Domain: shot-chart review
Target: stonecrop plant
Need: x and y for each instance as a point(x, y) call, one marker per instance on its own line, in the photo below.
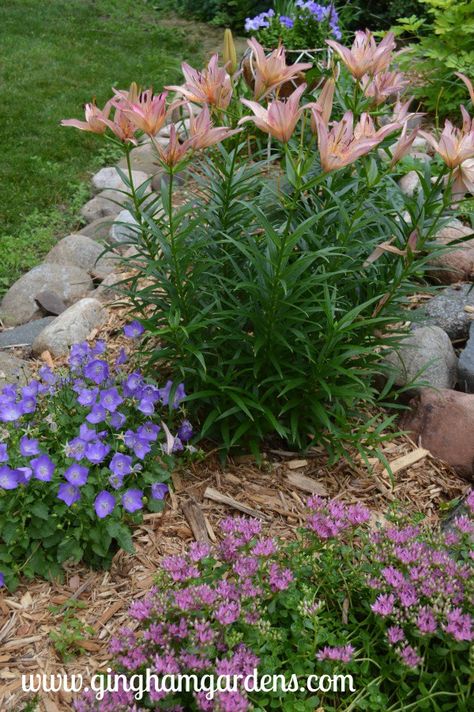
point(392, 607)
point(273, 287)
point(82, 452)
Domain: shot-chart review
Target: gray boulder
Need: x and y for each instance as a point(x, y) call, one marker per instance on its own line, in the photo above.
point(83, 252)
point(13, 370)
point(466, 364)
point(427, 356)
point(450, 310)
point(70, 327)
point(69, 282)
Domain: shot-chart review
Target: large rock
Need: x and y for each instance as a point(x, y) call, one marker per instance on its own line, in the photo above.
point(143, 158)
point(69, 282)
point(457, 264)
point(70, 327)
point(123, 229)
point(110, 179)
point(426, 356)
point(106, 204)
point(466, 364)
point(24, 335)
point(451, 310)
point(443, 423)
point(83, 252)
point(13, 370)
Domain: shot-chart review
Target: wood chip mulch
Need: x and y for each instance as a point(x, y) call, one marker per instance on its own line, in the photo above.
point(204, 493)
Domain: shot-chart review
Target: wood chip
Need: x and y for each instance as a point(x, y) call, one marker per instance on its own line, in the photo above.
point(296, 464)
point(220, 498)
point(196, 520)
point(306, 484)
point(401, 463)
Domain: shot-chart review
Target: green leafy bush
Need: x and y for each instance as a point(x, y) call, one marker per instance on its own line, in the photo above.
point(444, 44)
point(70, 491)
point(392, 608)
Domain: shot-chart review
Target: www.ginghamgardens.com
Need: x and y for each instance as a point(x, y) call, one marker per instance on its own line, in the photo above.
point(210, 685)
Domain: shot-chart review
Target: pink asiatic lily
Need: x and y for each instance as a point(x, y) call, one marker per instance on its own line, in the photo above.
point(344, 143)
point(468, 83)
point(279, 119)
point(323, 104)
point(365, 57)
point(95, 119)
point(403, 144)
point(203, 133)
point(147, 112)
point(383, 85)
point(212, 86)
point(175, 151)
point(454, 145)
point(271, 70)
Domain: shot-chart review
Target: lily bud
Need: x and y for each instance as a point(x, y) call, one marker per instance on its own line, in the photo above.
point(230, 54)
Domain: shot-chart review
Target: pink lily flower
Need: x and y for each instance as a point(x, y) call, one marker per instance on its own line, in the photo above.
point(211, 86)
point(279, 119)
point(343, 143)
point(203, 133)
point(454, 145)
point(403, 144)
point(383, 85)
point(271, 71)
point(365, 57)
point(94, 119)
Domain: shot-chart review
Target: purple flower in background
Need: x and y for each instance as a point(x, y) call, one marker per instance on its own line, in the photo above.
point(75, 449)
point(159, 490)
point(132, 500)
point(97, 371)
point(286, 21)
point(8, 478)
point(110, 399)
point(121, 465)
point(43, 468)
point(29, 446)
point(96, 452)
point(141, 448)
point(133, 330)
point(76, 475)
point(185, 431)
point(117, 419)
point(68, 493)
point(3, 452)
point(10, 412)
point(87, 396)
point(104, 504)
point(97, 414)
point(148, 431)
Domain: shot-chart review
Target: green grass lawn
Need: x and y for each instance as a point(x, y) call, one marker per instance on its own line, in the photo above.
point(55, 55)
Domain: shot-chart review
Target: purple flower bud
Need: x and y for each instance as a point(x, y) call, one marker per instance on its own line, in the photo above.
point(104, 504)
point(68, 493)
point(76, 475)
point(132, 500)
point(133, 330)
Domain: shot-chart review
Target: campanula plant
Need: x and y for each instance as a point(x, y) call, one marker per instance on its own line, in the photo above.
point(83, 451)
point(392, 607)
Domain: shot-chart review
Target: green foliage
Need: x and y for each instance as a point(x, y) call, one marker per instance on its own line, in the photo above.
point(444, 45)
point(52, 52)
point(72, 631)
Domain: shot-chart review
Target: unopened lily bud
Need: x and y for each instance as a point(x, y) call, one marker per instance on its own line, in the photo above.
point(230, 53)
